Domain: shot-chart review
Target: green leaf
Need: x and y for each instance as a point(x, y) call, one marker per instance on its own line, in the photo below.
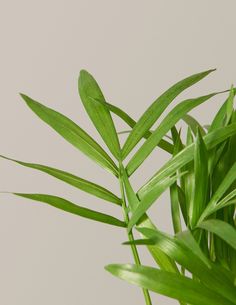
point(70, 207)
point(167, 123)
point(96, 107)
point(151, 115)
point(168, 284)
point(154, 194)
point(186, 155)
point(82, 184)
point(72, 133)
point(133, 201)
point(163, 144)
point(223, 115)
point(229, 178)
point(185, 251)
point(222, 229)
point(193, 124)
point(174, 193)
point(200, 180)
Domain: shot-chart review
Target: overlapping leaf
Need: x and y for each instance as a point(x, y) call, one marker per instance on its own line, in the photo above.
point(72, 133)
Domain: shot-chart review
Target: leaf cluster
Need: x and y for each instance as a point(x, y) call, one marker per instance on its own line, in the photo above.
point(197, 264)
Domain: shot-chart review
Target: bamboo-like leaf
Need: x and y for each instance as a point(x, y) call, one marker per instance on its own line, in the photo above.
point(154, 194)
point(131, 196)
point(186, 155)
point(229, 178)
point(72, 133)
point(168, 122)
point(96, 107)
point(70, 207)
point(201, 180)
point(184, 249)
point(163, 144)
point(80, 183)
point(222, 229)
point(168, 284)
point(151, 115)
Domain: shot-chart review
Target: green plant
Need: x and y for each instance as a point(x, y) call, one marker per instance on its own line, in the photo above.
point(201, 177)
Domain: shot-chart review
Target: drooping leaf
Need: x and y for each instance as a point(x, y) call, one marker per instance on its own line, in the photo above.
point(96, 107)
point(70, 207)
point(80, 183)
point(168, 284)
point(167, 123)
point(151, 115)
point(72, 133)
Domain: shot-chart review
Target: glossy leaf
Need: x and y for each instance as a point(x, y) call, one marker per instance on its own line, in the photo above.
point(72, 133)
point(70, 207)
point(169, 284)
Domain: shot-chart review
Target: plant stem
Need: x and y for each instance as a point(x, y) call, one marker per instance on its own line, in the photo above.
point(130, 235)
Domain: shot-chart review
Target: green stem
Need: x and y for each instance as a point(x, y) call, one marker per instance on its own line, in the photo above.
point(131, 237)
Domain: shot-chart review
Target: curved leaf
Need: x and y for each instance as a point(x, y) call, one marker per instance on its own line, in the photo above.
point(70, 207)
point(80, 183)
point(222, 229)
point(169, 284)
point(72, 133)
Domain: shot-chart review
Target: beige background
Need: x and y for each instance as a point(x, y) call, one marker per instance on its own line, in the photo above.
point(136, 49)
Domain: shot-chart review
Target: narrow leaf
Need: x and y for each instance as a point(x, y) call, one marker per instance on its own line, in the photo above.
point(70, 207)
point(96, 107)
point(168, 122)
point(168, 284)
point(151, 115)
point(80, 183)
point(229, 178)
point(154, 194)
point(72, 133)
point(201, 180)
point(186, 155)
point(163, 144)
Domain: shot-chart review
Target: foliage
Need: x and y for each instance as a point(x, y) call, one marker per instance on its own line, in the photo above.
point(197, 265)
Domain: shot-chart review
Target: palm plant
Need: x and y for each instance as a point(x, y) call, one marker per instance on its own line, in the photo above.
point(198, 264)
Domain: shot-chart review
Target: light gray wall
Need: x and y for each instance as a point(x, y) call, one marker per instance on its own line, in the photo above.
point(135, 49)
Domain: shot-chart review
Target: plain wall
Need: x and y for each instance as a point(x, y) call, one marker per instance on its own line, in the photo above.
point(135, 49)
